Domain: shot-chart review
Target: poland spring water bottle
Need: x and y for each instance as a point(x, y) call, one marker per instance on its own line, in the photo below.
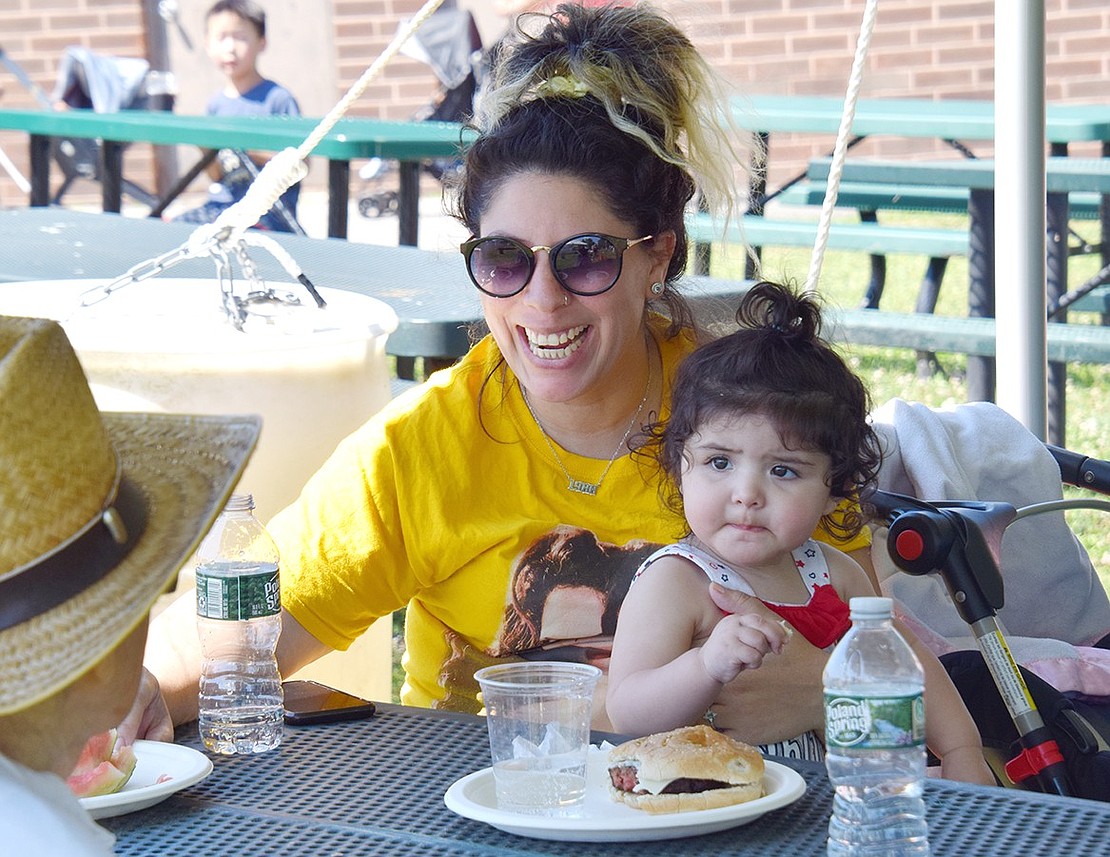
point(239, 620)
point(875, 738)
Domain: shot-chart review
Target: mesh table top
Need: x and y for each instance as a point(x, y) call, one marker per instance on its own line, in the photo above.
point(376, 787)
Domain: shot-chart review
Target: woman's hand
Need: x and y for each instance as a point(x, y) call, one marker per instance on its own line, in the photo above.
point(149, 717)
point(780, 700)
point(740, 641)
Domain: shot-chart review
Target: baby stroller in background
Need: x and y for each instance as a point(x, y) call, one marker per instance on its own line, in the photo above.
point(448, 42)
point(1046, 724)
point(90, 81)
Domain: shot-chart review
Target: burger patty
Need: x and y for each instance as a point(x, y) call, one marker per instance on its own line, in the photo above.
point(624, 778)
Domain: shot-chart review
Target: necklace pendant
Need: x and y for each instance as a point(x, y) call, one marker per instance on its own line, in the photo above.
point(580, 487)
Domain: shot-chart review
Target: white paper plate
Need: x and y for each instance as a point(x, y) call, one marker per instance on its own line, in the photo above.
point(177, 767)
point(604, 820)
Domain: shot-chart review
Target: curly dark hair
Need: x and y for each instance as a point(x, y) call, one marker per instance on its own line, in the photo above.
point(638, 114)
point(777, 366)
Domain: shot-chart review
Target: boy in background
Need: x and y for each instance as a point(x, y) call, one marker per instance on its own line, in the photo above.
point(235, 35)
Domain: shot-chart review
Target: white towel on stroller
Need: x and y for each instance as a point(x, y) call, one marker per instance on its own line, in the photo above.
point(1052, 594)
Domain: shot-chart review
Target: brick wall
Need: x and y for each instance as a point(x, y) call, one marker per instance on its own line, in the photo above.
point(937, 49)
point(33, 35)
point(930, 48)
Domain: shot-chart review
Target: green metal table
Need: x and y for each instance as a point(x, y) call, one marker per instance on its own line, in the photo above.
point(436, 304)
point(1062, 175)
point(925, 118)
point(376, 787)
point(407, 142)
point(951, 120)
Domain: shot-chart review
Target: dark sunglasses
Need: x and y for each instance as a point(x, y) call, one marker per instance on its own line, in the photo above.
point(587, 264)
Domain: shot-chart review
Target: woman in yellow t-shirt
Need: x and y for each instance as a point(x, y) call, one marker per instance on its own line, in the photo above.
point(499, 501)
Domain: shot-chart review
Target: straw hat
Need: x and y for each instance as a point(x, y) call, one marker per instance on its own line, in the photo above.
point(97, 511)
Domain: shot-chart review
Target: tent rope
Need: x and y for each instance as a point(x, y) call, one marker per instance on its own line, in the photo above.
point(840, 150)
point(227, 234)
point(287, 167)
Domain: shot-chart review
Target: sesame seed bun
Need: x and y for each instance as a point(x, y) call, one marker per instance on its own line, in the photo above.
point(726, 771)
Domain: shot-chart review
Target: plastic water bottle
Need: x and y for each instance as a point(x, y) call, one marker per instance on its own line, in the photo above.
point(239, 621)
point(875, 735)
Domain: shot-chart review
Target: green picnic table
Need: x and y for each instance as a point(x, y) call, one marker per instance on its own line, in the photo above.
point(923, 118)
point(434, 300)
point(977, 176)
point(437, 307)
point(406, 142)
point(1062, 175)
point(955, 121)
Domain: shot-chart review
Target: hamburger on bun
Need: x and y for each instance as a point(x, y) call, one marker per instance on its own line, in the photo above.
point(685, 769)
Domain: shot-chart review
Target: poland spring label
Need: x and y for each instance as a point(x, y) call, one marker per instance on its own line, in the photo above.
point(246, 596)
point(874, 722)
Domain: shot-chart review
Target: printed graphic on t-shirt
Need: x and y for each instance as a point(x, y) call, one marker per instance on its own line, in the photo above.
point(565, 590)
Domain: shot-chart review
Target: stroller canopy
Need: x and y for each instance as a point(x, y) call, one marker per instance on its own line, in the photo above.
point(105, 84)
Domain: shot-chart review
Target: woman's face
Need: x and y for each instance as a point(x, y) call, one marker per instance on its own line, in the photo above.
point(565, 347)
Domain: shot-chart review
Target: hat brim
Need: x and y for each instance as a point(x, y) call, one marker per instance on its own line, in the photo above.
point(185, 467)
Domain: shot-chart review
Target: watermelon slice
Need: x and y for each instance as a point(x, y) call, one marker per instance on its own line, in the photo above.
point(105, 766)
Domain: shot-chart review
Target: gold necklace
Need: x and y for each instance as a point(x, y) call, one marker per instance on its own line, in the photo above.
point(580, 486)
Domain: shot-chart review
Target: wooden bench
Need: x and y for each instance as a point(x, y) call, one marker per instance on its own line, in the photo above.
point(1067, 343)
point(755, 231)
point(1096, 300)
point(715, 300)
point(878, 196)
point(870, 198)
point(876, 239)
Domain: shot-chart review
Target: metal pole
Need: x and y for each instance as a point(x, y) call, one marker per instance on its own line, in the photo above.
point(1020, 210)
point(158, 55)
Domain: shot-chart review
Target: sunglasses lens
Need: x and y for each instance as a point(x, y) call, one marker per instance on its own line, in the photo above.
point(588, 265)
point(499, 266)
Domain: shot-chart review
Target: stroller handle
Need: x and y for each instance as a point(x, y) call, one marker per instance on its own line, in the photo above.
point(961, 541)
point(1082, 470)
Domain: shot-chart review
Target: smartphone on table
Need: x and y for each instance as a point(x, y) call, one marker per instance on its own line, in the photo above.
point(309, 702)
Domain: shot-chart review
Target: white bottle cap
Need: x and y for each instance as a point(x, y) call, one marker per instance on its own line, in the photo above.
point(871, 607)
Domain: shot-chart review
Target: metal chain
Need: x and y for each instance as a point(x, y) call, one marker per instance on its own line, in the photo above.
point(578, 485)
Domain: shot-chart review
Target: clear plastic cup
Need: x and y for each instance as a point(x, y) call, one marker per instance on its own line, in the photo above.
point(538, 714)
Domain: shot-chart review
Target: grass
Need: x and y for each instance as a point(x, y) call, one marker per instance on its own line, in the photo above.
point(891, 372)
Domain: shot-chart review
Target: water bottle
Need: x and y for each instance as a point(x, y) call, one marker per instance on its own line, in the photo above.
point(239, 621)
point(875, 738)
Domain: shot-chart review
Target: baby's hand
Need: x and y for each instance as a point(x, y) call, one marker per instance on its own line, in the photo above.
point(967, 765)
point(742, 639)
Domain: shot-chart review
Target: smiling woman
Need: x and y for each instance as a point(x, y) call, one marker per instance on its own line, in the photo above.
point(499, 501)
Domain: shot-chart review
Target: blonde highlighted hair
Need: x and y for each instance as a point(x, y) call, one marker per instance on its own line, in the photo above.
point(652, 82)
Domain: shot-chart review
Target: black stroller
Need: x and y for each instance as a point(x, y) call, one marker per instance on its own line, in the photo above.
point(450, 44)
point(91, 81)
point(1033, 735)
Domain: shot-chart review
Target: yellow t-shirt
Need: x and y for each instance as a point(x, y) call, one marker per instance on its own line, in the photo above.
point(464, 516)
